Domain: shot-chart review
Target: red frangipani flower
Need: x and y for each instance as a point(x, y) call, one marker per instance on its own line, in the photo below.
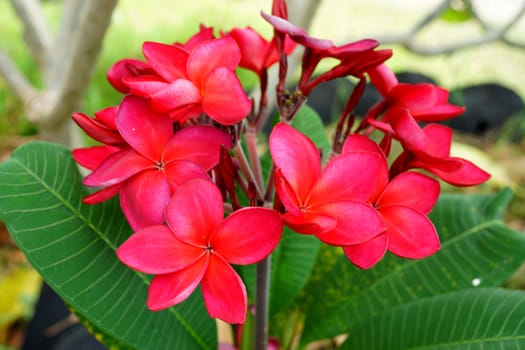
point(257, 53)
point(188, 83)
point(156, 161)
point(425, 102)
point(429, 149)
point(329, 203)
point(403, 204)
point(198, 246)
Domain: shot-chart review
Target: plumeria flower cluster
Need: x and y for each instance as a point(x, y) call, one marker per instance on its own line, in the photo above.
point(173, 151)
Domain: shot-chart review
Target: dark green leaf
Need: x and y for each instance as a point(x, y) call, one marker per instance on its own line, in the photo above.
point(73, 245)
point(487, 318)
point(477, 250)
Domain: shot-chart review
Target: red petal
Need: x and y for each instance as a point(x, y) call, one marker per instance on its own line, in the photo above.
point(144, 198)
point(406, 129)
point(410, 233)
point(350, 176)
point(108, 116)
point(179, 172)
point(439, 140)
point(309, 223)
point(210, 55)
point(253, 46)
point(124, 69)
point(414, 97)
point(248, 235)
point(204, 34)
point(297, 157)
point(367, 254)
point(97, 130)
point(195, 211)
point(91, 157)
point(199, 144)
point(224, 292)
point(413, 190)
point(287, 194)
point(173, 288)
point(224, 99)
point(178, 94)
point(145, 85)
point(102, 195)
point(155, 250)
point(466, 174)
point(117, 167)
point(361, 143)
point(144, 130)
point(383, 78)
point(169, 61)
point(357, 222)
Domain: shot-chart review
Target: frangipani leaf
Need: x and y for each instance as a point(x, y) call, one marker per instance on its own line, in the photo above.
point(477, 250)
point(73, 245)
point(488, 318)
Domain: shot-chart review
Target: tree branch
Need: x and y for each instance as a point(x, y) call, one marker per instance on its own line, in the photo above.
point(490, 34)
point(73, 58)
point(16, 81)
point(36, 34)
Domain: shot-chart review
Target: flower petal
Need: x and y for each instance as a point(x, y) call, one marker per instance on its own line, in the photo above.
point(97, 130)
point(224, 99)
point(248, 235)
point(145, 85)
point(210, 55)
point(124, 69)
point(224, 292)
point(144, 130)
point(116, 168)
point(173, 288)
point(357, 222)
point(465, 173)
point(297, 157)
point(195, 211)
point(406, 129)
point(309, 223)
point(144, 198)
point(155, 250)
point(413, 190)
point(179, 172)
point(367, 254)
point(92, 157)
point(169, 61)
point(350, 176)
point(410, 233)
point(102, 195)
point(200, 144)
point(179, 94)
point(383, 78)
point(287, 195)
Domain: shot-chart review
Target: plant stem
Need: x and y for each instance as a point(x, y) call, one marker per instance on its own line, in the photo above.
point(262, 296)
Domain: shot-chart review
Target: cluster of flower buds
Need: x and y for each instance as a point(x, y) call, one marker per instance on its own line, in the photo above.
point(174, 149)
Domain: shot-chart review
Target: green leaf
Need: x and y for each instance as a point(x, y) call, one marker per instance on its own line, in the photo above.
point(73, 245)
point(292, 262)
point(477, 250)
point(487, 318)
